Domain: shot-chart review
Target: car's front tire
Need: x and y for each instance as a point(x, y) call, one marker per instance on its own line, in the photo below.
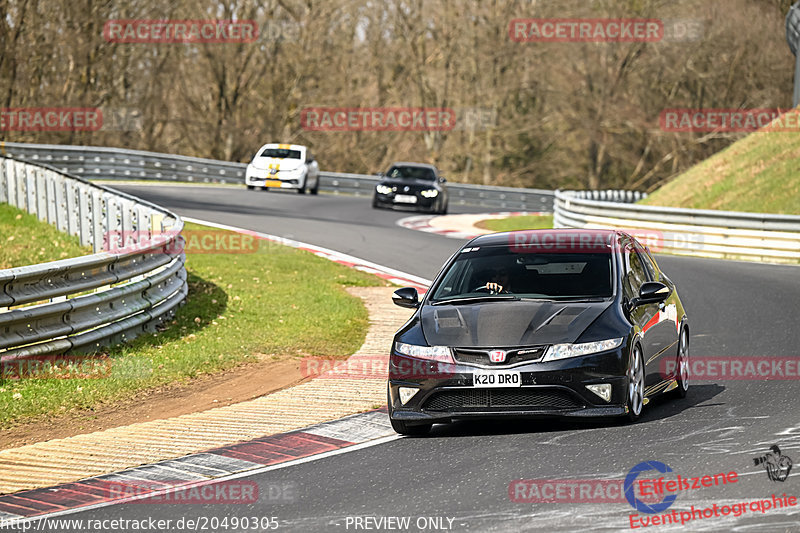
point(251, 187)
point(682, 368)
point(315, 190)
point(635, 392)
point(416, 430)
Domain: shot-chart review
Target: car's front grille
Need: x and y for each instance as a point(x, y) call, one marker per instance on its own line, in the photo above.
point(466, 399)
point(476, 356)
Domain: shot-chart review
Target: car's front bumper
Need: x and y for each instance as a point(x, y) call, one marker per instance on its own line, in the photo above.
point(280, 180)
point(421, 204)
point(556, 388)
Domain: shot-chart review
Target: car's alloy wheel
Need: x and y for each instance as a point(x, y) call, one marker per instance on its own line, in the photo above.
point(635, 401)
point(683, 365)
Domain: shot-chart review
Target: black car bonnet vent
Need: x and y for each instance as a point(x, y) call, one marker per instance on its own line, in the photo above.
point(448, 319)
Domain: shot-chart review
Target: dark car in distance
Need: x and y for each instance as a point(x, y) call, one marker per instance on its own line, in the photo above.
point(569, 323)
point(416, 186)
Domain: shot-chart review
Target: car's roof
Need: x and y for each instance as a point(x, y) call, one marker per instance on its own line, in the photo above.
point(283, 146)
point(411, 164)
point(507, 237)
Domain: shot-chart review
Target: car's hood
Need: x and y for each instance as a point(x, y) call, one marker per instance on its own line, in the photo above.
point(507, 323)
point(263, 163)
point(416, 184)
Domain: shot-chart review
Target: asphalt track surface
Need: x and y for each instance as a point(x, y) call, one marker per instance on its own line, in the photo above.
point(463, 471)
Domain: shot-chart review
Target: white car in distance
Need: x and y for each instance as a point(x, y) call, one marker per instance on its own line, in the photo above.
point(285, 166)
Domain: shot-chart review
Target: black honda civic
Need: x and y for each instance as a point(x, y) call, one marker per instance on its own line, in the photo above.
point(571, 323)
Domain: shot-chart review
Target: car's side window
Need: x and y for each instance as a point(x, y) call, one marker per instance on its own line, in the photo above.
point(649, 264)
point(635, 273)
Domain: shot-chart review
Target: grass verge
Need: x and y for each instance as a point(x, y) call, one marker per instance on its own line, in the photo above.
point(26, 241)
point(276, 303)
point(758, 174)
point(517, 223)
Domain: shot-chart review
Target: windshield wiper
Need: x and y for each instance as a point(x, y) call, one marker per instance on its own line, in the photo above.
point(581, 299)
point(476, 299)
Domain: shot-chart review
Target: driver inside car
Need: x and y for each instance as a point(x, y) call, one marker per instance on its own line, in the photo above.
point(500, 281)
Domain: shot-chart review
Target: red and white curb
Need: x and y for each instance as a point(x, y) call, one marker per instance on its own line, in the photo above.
point(383, 272)
point(423, 223)
point(192, 472)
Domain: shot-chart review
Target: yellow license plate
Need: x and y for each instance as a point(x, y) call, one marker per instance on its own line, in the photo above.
point(272, 183)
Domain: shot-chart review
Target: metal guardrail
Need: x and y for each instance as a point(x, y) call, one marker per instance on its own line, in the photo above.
point(721, 234)
point(92, 162)
point(134, 280)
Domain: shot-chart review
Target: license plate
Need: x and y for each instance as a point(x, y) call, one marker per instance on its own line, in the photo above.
point(405, 199)
point(272, 183)
point(496, 378)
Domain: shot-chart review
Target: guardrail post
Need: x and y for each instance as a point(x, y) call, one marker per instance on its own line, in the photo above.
point(51, 198)
point(12, 184)
point(19, 195)
point(73, 211)
point(84, 217)
point(4, 166)
point(41, 195)
point(97, 220)
point(62, 211)
point(30, 190)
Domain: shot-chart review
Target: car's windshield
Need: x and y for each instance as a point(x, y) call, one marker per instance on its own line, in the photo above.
point(280, 153)
point(411, 173)
point(548, 276)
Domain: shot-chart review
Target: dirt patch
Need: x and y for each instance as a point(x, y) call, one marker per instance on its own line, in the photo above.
point(237, 385)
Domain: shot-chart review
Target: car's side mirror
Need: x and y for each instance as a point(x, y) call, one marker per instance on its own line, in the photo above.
point(379, 174)
point(651, 292)
point(442, 180)
point(310, 160)
point(406, 297)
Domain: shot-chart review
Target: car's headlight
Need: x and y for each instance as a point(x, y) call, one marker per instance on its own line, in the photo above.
point(563, 351)
point(383, 189)
point(430, 193)
point(432, 353)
